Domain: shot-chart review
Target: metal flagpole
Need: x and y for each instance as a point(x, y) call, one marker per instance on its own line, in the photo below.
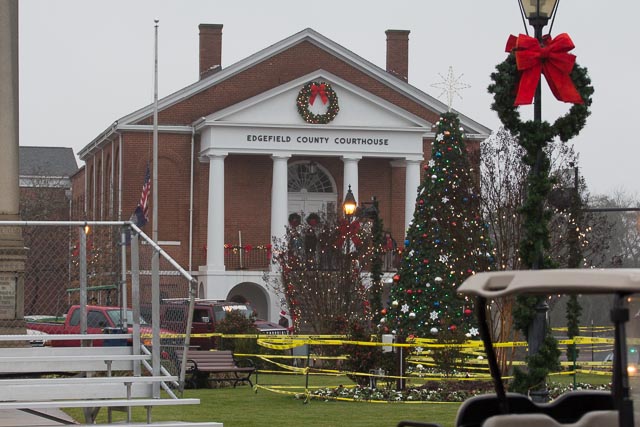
point(155, 259)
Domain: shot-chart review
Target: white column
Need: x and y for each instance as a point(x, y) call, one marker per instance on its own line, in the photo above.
point(350, 176)
point(412, 182)
point(215, 218)
point(279, 195)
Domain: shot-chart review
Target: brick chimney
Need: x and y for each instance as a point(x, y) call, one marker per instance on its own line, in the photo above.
point(210, 49)
point(398, 53)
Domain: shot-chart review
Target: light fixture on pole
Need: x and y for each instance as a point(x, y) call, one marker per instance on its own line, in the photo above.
point(349, 205)
point(538, 12)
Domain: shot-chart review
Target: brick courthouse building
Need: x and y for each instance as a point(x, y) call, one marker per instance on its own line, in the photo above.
point(237, 157)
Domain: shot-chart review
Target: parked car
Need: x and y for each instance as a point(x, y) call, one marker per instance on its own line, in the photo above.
point(99, 320)
point(206, 314)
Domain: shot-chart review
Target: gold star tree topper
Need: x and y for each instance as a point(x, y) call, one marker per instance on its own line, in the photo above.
point(450, 85)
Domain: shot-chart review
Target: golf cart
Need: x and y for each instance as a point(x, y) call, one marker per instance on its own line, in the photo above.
point(575, 408)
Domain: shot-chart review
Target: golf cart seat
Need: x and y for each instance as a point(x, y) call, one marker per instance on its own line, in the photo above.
point(590, 419)
point(568, 408)
point(577, 408)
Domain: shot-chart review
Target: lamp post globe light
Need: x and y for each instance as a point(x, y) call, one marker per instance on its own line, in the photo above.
point(349, 205)
point(538, 12)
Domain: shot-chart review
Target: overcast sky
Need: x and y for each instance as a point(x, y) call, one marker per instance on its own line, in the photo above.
point(86, 63)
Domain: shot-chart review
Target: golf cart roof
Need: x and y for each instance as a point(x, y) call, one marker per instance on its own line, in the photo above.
point(560, 281)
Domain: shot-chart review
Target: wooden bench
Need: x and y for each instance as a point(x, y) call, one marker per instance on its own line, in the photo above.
point(92, 386)
point(201, 363)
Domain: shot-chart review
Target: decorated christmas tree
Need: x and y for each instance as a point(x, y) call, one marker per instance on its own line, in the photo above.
point(444, 245)
point(321, 263)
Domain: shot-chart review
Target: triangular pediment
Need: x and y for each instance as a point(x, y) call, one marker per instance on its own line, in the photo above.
point(355, 103)
point(358, 108)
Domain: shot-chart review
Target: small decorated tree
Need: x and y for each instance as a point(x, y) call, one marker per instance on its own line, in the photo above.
point(321, 282)
point(445, 244)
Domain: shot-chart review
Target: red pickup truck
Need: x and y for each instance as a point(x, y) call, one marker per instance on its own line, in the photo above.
point(99, 318)
point(206, 314)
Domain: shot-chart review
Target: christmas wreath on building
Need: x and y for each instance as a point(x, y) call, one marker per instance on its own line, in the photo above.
point(308, 96)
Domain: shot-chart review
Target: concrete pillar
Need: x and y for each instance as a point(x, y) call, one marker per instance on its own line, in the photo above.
point(279, 196)
point(215, 226)
point(9, 202)
point(350, 173)
point(12, 251)
point(412, 182)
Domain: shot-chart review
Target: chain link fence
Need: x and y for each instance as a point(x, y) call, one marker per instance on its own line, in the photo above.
point(109, 268)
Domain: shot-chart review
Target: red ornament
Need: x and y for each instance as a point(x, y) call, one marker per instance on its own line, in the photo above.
point(383, 311)
point(467, 312)
point(454, 223)
point(409, 291)
point(424, 235)
point(421, 202)
point(396, 278)
point(551, 59)
point(425, 261)
point(452, 328)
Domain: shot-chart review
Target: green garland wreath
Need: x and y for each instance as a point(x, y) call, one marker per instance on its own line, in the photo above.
point(504, 87)
point(303, 104)
point(533, 137)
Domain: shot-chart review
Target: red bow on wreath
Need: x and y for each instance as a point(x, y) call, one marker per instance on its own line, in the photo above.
point(349, 229)
point(318, 90)
point(551, 59)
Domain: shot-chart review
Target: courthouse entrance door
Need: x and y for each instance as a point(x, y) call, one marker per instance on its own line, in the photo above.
point(311, 190)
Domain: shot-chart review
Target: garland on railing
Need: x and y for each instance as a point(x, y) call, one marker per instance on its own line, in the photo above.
point(234, 249)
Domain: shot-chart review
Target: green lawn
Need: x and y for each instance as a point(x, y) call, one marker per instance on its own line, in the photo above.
point(242, 407)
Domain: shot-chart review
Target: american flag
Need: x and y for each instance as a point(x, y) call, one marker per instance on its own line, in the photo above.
point(142, 211)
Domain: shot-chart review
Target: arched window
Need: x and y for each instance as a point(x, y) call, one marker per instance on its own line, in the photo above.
point(310, 177)
point(311, 189)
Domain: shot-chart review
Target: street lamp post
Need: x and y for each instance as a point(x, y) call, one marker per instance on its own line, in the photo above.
point(538, 13)
point(349, 205)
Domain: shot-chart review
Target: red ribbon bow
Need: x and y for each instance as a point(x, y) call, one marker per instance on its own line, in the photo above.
point(318, 90)
point(551, 59)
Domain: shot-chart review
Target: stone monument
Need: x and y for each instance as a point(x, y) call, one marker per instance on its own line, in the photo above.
point(12, 250)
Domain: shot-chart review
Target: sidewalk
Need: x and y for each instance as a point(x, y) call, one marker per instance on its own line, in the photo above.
point(15, 418)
